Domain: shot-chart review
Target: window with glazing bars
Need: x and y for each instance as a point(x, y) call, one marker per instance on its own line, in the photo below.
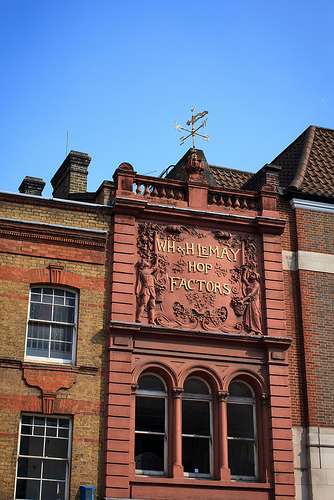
point(43, 460)
point(242, 456)
point(51, 332)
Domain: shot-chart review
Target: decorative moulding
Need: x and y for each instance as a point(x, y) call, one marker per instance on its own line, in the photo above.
point(52, 233)
point(49, 380)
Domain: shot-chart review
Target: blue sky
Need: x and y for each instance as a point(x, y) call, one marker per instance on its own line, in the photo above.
point(117, 74)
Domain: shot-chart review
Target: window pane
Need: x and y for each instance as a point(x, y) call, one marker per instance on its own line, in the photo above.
point(38, 431)
point(51, 422)
point(39, 331)
point(37, 348)
point(27, 419)
point(151, 383)
point(29, 467)
point(36, 297)
point(27, 488)
point(241, 458)
point(196, 417)
point(51, 431)
point(31, 446)
point(240, 420)
point(64, 423)
point(240, 390)
point(149, 452)
point(26, 429)
point(54, 469)
point(54, 490)
point(195, 455)
point(39, 421)
point(40, 311)
point(56, 448)
point(61, 350)
point(63, 433)
point(62, 333)
point(150, 414)
point(195, 386)
point(63, 314)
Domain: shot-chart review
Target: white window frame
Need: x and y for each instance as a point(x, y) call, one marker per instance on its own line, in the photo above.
point(49, 359)
point(155, 394)
point(248, 401)
point(201, 397)
point(44, 458)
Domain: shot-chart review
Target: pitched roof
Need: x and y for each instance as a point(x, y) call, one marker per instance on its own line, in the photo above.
point(230, 178)
point(307, 165)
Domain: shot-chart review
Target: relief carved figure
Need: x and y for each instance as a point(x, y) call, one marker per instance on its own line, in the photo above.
point(145, 291)
point(252, 315)
point(214, 271)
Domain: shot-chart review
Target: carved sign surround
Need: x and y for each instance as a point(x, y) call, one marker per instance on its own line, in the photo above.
point(198, 279)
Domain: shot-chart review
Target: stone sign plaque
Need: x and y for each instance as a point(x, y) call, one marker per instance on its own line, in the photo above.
point(198, 279)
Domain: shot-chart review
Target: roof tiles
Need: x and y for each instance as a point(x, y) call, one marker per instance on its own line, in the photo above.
point(229, 178)
point(307, 165)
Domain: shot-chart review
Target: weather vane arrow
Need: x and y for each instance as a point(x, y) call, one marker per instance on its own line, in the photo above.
point(193, 131)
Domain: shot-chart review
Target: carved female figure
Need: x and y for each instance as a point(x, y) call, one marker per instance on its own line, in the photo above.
point(252, 316)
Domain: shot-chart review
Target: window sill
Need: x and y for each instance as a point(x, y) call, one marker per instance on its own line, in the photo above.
point(208, 483)
point(64, 367)
point(50, 366)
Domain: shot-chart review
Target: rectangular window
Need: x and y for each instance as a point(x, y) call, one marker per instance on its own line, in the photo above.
point(44, 456)
point(52, 324)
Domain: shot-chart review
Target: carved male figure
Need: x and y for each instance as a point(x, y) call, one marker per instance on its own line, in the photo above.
point(145, 291)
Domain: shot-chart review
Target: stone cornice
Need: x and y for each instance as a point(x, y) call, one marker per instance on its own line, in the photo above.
point(19, 229)
point(130, 328)
point(255, 222)
point(59, 203)
point(312, 205)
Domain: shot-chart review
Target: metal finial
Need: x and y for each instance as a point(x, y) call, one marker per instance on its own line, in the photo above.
point(193, 131)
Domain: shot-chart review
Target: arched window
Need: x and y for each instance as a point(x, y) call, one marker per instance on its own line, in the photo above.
point(196, 428)
point(51, 332)
point(241, 431)
point(151, 425)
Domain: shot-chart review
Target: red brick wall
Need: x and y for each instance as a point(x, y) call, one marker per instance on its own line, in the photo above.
point(308, 303)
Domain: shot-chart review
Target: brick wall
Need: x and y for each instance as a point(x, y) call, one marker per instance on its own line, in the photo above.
point(70, 259)
point(308, 303)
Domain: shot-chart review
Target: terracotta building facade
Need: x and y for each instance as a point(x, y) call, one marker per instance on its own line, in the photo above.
point(166, 338)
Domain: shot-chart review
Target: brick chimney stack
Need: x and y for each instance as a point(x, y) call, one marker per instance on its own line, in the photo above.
point(32, 185)
point(71, 177)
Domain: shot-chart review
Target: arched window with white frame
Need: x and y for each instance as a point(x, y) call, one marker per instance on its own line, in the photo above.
point(151, 425)
point(196, 428)
point(241, 431)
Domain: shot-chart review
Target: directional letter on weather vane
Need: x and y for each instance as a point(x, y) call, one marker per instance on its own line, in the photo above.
point(193, 131)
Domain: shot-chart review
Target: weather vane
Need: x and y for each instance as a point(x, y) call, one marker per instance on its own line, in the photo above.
point(193, 131)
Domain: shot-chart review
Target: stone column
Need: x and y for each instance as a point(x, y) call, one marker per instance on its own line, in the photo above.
point(224, 471)
point(177, 433)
